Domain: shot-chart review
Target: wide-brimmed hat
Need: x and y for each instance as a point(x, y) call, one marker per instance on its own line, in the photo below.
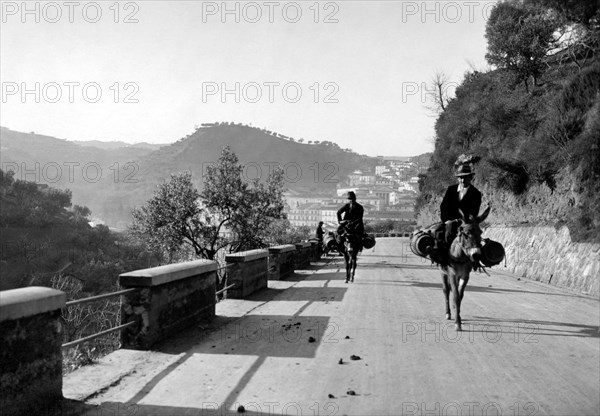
point(352, 196)
point(464, 170)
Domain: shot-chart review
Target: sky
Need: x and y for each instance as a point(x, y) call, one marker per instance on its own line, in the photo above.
point(351, 72)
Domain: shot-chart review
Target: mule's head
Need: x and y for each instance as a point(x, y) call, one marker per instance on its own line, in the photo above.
point(351, 243)
point(469, 236)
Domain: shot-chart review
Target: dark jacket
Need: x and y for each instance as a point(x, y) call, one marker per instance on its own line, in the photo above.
point(353, 215)
point(320, 233)
point(469, 205)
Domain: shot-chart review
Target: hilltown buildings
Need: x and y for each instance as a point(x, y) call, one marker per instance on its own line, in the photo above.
point(388, 192)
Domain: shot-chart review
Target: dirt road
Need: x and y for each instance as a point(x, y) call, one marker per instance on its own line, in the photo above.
point(525, 349)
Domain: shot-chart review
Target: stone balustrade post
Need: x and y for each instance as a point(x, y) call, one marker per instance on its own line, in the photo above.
point(302, 260)
point(30, 349)
point(281, 261)
point(248, 271)
point(167, 299)
point(315, 250)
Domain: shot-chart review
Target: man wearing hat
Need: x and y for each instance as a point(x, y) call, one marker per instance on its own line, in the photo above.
point(462, 197)
point(320, 233)
point(353, 213)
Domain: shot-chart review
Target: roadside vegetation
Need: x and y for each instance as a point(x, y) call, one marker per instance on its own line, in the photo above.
point(534, 120)
point(46, 241)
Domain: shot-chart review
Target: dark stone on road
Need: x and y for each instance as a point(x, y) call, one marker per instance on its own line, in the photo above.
point(311, 339)
point(354, 357)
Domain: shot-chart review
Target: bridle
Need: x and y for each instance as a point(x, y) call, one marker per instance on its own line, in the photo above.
point(459, 240)
point(350, 239)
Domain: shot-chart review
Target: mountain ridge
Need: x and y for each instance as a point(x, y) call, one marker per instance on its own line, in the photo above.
point(111, 181)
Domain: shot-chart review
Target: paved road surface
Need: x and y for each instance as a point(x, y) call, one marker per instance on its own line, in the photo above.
point(526, 349)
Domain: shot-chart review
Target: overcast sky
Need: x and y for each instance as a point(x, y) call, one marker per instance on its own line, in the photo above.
point(351, 72)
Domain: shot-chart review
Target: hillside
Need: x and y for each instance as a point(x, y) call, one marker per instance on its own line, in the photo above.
point(112, 180)
point(536, 127)
point(35, 148)
point(84, 169)
point(118, 145)
point(316, 167)
point(313, 166)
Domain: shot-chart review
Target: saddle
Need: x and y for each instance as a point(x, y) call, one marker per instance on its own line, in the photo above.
point(346, 229)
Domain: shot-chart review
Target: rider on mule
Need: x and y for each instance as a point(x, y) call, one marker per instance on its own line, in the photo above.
point(320, 234)
point(353, 217)
point(461, 201)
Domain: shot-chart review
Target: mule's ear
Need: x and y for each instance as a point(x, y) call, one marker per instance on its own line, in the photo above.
point(485, 214)
point(462, 214)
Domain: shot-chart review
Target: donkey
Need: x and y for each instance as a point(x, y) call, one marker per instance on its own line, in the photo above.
point(463, 256)
point(350, 246)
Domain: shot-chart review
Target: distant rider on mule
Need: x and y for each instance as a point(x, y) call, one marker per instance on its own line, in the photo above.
point(353, 216)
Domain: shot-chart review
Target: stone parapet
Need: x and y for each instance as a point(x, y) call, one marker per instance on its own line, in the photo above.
point(303, 255)
point(248, 271)
point(548, 255)
point(281, 261)
point(315, 250)
point(30, 349)
point(168, 299)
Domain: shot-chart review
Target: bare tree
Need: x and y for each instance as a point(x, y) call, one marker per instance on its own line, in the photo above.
point(438, 91)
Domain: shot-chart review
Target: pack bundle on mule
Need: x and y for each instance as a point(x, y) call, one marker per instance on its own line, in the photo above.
point(368, 241)
point(329, 240)
point(424, 241)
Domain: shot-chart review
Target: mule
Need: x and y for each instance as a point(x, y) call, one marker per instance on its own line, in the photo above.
point(350, 246)
point(463, 255)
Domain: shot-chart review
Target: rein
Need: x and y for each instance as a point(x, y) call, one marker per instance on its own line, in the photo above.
point(476, 266)
point(464, 256)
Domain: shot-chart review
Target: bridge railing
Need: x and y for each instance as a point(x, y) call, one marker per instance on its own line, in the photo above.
point(155, 304)
point(79, 302)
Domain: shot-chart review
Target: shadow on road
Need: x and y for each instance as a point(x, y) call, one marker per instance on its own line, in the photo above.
point(311, 294)
point(397, 266)
point(68, 407)
point(334, 275)
point(488, 289)
point(544, 328)
point(260, 336)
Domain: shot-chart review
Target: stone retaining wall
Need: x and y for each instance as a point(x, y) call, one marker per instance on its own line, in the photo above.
point(548, 255)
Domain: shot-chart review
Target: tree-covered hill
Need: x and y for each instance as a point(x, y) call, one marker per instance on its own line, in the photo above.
point(315, 166)
point(534, 120)
point(312, 165)
point(43, 237)
point(111, 180)
point(32, 148)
